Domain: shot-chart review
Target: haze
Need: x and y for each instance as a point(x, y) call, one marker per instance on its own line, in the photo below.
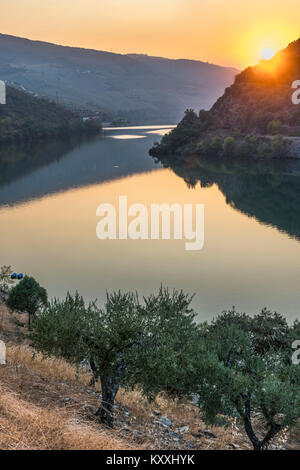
point(227, 32)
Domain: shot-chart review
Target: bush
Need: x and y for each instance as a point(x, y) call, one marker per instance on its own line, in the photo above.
point(274, 127)
point(229, 146)
point(27, 296)
point(248, 369)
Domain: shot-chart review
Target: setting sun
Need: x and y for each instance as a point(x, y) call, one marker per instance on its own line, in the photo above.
point(268, 53)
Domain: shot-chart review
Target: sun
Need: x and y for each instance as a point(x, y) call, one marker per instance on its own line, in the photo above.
point(268, 53)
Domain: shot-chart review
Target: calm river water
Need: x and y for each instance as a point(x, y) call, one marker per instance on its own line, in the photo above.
point(48, 199)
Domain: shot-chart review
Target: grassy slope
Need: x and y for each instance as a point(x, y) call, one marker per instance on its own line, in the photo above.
point(46, 405)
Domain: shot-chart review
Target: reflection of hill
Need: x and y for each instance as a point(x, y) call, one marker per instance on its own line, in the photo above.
point(268, 191)
point(34, 171)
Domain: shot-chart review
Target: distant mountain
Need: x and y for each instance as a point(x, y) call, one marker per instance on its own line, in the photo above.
point(25, 117)
point(134, 87)
point(248, 119)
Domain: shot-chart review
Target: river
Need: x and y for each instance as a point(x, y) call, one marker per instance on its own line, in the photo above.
point(49, 194)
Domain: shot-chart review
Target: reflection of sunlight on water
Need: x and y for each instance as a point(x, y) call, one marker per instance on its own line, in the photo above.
point(139, 128)
point(127, 136)
point(160, 131)
point(243, 262)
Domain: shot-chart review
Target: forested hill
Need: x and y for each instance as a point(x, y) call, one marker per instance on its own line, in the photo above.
point(260, 98)
point(258, 105)
point(135, 87)
point(25, 117)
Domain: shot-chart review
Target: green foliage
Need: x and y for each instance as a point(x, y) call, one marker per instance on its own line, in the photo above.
point(258, 103)
point(181, 139)
point(167, 358)
point(229, 146)
point(274, 126)
point(238, 366)
point(215, 146)
point(25, 118)
point(27, 296)
point(263, 150)
point(125, 343)
point(248, 369)
point(279, 147)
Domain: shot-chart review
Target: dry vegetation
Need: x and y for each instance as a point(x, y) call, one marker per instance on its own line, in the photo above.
point(48, 404)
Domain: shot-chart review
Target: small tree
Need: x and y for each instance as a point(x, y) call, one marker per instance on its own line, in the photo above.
point(248, 369)
point(274, 126)
point(125, 343)
point(229, 147)
point(215, 146)
point(27, 296)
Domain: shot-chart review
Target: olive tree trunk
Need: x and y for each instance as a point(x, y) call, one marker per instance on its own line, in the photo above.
point(257, 443)
point(110, 388)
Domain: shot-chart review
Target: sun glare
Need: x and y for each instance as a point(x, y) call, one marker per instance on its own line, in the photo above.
point(268, 53)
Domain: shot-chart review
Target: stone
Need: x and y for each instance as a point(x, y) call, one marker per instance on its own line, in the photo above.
point(2, 353)
point(184, 429)
point(165, 421)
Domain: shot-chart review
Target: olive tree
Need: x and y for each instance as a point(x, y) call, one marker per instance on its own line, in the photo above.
point(125, 343)
point(27, 296)
point(246, 371)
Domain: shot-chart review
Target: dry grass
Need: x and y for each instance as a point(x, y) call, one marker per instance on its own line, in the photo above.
point(9, 330)
point(50, 368)
point(46, 403)
point(26, 426)
point(34, 394)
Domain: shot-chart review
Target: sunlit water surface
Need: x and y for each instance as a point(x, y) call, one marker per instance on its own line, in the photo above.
point(48, 230)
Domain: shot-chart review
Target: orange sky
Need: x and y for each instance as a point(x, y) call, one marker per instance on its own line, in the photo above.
point(226, 32)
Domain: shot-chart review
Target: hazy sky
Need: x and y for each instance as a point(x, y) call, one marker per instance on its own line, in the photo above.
point(227, 32)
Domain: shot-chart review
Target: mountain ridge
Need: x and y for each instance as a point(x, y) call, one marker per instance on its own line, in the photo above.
point(128, 86)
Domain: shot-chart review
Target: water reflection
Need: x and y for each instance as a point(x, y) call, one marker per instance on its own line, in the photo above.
point(127, 136)
point(35, 170)
point(266, 190)
point(252, 224)
point(160, 132)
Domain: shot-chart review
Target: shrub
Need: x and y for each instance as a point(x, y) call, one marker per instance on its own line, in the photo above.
point(229, 146)
point(124, 343)
point(248, 369)
point(27, 296)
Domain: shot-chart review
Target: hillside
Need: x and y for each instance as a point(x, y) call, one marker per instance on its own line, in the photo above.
point(46, 404)
point(261, 95)
point(25, 117)
point(135, 87)
point(258, 103)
